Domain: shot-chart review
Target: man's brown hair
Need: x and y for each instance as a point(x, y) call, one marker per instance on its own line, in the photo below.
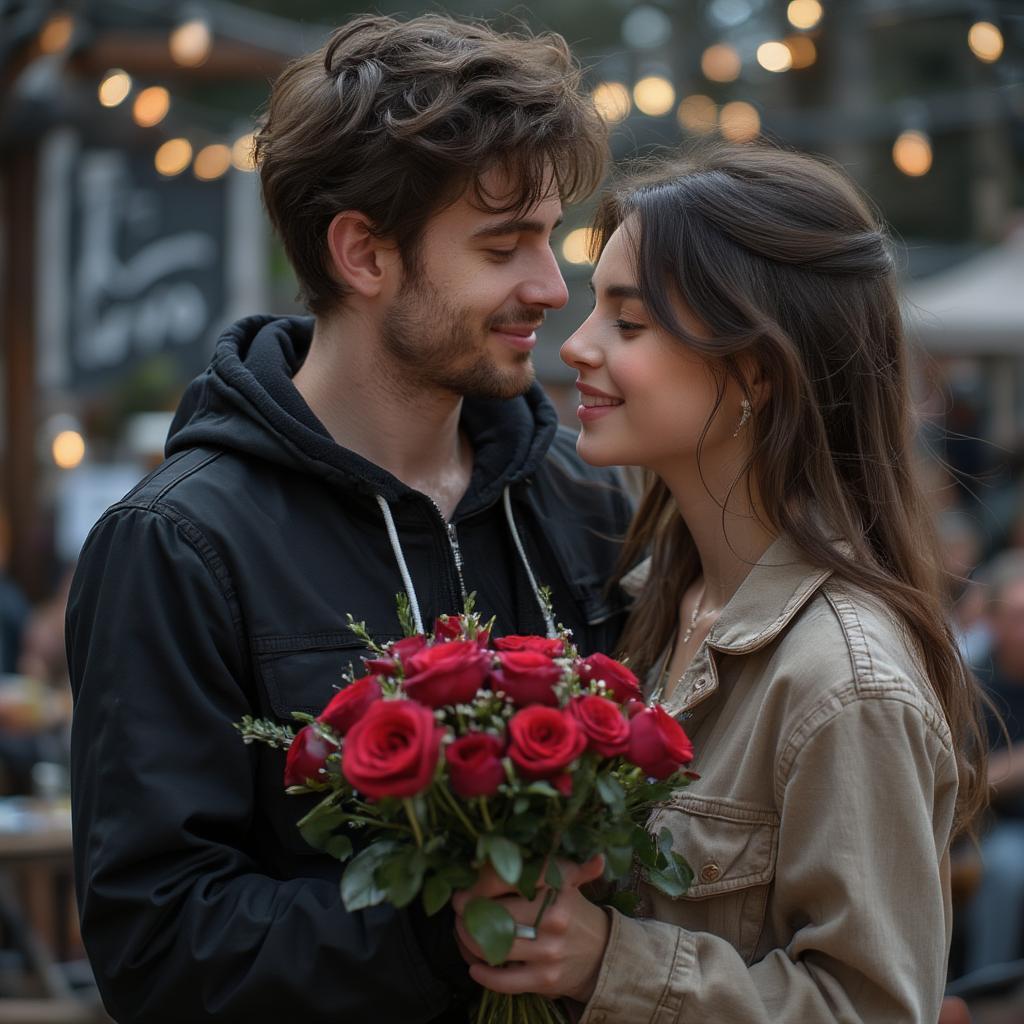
point(396, 119)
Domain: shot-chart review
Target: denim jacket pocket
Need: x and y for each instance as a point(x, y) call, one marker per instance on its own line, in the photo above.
point(732, 847)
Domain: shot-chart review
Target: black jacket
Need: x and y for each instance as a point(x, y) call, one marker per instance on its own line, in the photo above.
point(217, 588)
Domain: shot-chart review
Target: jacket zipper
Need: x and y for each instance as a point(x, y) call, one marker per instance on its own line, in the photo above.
point(453, 544)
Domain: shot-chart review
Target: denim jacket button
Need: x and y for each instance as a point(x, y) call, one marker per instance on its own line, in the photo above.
point(711, 872)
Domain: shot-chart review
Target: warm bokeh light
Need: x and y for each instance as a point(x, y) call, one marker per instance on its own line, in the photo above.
point(774, 56)
point(804, 13)
point(114, 87)
point(912, 153)
point(243, 155)
point(190, 43)
point(721, 63)
point(985, 41)
point(739, 121)
point(577, 246)
point(151, 106)
point(173, 157)
point(212, 161)
point(68, 449)
point(612, 101)
point(56, 33)
point(654, 95)
point(698, 114)
point(802, 50)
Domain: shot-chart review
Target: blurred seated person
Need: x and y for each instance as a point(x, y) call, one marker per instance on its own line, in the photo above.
point(995, 917)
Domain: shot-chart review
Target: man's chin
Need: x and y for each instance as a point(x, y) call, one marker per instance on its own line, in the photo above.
point(497, 382)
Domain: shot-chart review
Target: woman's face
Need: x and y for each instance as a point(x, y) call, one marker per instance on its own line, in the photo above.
point(646, 397)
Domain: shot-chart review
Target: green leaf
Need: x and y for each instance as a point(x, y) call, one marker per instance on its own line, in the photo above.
point(528, 879)
point(665, 842)
point(457, 875)
point(542, 788)
point(436, 894)
point(506, 857)
point(318, 826)
point(645, 846)
point(359, 888)
point(619, 860)
point(520, 804)
point(611, 792)
point(401, 876)
point(339, 847)
point(553, 874)
point(493, 928)
point(683, 871)
point(624, 902)
point(667, 883)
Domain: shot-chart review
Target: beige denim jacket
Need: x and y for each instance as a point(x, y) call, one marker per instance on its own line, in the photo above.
point(818, 832)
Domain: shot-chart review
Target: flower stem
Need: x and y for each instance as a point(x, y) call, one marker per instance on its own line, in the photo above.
point(484, 810)
point(410, 812)
point(453, 804)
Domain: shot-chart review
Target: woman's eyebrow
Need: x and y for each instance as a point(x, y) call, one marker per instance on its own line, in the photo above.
point(619, 291)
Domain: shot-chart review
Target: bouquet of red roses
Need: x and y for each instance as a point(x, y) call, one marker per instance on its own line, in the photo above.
point(456, 750)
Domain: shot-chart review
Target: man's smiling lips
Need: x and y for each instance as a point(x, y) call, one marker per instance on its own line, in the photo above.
point(520, 336)
point(595, 403)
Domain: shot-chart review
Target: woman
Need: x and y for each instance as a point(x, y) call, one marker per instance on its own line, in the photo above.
point(745, 348)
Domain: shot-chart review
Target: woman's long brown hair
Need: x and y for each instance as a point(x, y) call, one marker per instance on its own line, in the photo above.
point(788, 266)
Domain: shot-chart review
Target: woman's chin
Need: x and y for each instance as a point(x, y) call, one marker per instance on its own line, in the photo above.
point(593, 452)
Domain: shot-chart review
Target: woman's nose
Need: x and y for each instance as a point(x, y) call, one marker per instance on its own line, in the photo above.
point(579, 349)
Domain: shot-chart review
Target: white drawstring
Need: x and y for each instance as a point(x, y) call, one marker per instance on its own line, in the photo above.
point(541, 603)
point(410, 590)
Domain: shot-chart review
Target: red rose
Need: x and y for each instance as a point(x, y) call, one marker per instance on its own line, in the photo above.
point(633, 707)
point(553, 647)
point(392, 750)
point(601, 719)
point(620, 683)
point(474, 764)
point(544, 741)
point(657, 743)
point(306, 756)
point(399, 651)
point(527, 677)
point(447, 627)
point(448, 673)
point(347, 706)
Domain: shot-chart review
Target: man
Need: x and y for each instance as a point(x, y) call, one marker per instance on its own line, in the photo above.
point(393, 443)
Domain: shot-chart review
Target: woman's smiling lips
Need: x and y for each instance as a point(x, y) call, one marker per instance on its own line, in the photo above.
point(595, 403)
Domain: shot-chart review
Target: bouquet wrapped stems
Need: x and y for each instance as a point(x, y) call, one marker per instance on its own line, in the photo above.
point(525, 1009)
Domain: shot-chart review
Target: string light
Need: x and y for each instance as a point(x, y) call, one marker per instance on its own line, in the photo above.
point(56, 33)
point(151, 106)
point(114, 87)
point(721, 63)
point(578, 245)
point(190, 43)
point(612, 101)
point(243, 155)
point(173, 157)
point(774, 56)
point(68, 449)
point(654, 95)
point(912, 153)
point(985, 41)
point(802, 50)
point(212, 161)
point(698, 114)
point(739, 121)
point(804, 13)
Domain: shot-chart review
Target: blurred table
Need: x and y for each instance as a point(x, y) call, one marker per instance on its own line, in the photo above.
point(35, 845)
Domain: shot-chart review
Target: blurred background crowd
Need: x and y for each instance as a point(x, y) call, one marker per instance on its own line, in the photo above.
point(131, 233)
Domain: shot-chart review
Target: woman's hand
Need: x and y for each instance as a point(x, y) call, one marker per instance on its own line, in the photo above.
point(565, 957)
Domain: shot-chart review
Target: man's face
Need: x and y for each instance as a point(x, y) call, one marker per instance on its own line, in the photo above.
point(464, 322)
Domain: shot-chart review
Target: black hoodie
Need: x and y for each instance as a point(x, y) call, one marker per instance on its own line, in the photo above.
point(219, 587)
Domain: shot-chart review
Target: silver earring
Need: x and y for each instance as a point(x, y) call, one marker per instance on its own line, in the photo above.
point(745, 406)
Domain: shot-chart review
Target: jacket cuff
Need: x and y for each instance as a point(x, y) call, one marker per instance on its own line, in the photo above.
point(643, 974)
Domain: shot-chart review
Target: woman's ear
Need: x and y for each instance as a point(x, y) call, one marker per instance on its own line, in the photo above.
point(757, 385)
point(360, 260)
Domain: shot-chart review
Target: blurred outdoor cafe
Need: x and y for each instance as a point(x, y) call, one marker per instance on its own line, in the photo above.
point(132, 233)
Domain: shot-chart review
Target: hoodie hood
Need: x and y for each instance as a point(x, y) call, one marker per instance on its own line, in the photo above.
point(245, 401)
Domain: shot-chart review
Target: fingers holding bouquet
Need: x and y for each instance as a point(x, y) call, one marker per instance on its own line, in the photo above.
point(560, 935)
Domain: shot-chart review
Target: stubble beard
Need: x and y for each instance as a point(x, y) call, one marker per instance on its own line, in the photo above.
point(430, 343)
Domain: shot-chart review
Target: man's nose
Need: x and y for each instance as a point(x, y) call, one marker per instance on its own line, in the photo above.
point(545, 286)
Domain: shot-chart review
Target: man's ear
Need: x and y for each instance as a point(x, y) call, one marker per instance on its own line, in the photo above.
point(360, 259)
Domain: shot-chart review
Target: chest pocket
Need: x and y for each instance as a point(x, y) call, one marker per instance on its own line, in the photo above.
point(732, 848)
point(302, 673)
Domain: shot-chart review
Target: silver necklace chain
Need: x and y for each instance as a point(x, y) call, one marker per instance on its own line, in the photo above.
point(693, 618)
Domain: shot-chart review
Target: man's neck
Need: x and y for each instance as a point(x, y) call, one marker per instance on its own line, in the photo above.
point(413, 433)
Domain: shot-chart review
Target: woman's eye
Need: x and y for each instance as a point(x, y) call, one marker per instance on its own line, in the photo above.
point(627, 325)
